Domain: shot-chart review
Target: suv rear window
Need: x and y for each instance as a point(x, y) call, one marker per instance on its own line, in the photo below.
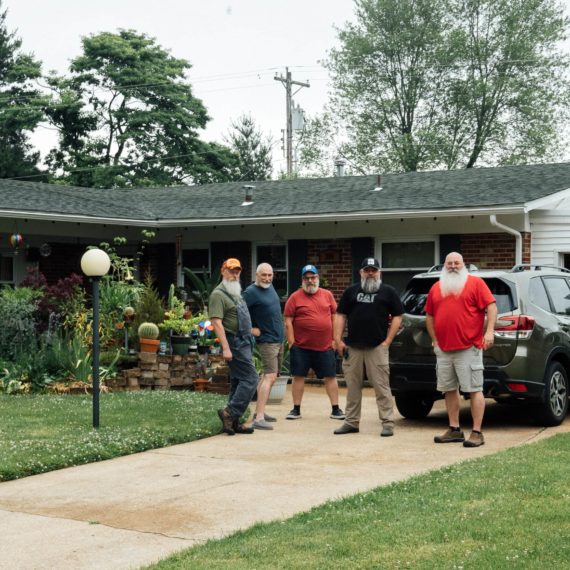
point(415, 296)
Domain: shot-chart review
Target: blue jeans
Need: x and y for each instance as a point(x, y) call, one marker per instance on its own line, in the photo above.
point(243, 375)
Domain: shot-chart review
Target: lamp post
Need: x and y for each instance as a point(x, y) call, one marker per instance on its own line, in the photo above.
point(95, 263)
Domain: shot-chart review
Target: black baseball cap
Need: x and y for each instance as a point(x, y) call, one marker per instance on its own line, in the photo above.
point(370, 262)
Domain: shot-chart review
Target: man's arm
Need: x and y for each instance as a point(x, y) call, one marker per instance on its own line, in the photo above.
point(394, 326)
point(289, 331)
point(339, 324)
point(431, 330)
point(221, 334)
point(489, 337)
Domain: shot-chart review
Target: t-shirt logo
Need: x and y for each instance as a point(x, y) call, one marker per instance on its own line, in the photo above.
point(365, 297)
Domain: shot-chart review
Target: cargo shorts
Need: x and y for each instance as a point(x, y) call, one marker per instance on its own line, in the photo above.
point(460, 370)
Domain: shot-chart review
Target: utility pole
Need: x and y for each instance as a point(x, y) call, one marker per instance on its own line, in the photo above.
point(288, 84)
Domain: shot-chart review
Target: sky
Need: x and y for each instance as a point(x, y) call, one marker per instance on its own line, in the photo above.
point(236, 47)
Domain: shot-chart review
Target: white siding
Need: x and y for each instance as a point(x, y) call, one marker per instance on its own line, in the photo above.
point(550, 235)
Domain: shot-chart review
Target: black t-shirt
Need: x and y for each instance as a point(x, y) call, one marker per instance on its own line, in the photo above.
point(368, 313)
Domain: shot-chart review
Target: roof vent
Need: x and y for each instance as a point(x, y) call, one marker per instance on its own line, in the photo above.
point(378, 187)
point(248, 195)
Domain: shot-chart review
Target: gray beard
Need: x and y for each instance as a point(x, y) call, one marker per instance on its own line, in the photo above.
point(232, 287)
point(370, 284)
point(264, 285)
point(310, 288)
point(452, 283)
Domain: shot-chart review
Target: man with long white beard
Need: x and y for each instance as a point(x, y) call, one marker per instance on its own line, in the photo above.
point(373, 311)
point(232, 323)
point(455, 309)
point(265, 310)
point(309, 314)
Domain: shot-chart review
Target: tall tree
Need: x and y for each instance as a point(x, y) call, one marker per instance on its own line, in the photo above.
point(425, 84)
point(21, 105)
point(127, 117)
point(252, 149)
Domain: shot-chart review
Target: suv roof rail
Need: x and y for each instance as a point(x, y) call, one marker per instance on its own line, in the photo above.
point(532, 267)
point(440, 266)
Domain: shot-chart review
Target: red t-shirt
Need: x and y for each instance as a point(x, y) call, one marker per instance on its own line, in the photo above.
point(459, 319)
point(312, 318)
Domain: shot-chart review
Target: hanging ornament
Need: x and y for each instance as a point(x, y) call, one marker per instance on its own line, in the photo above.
point(16, 241)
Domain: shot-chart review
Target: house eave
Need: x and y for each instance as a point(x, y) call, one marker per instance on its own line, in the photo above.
point(287, 219)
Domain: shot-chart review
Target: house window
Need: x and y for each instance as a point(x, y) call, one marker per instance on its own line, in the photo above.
point(197, 260)
point(402, 260)
point(6, 269)
point(276, 256)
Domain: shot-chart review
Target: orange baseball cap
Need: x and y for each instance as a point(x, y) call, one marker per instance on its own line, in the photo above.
point(231, 263)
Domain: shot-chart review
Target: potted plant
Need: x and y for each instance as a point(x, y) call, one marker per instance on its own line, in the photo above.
point(180, 324)
point(148, 337)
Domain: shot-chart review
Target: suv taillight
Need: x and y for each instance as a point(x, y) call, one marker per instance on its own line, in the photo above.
point(519, 326)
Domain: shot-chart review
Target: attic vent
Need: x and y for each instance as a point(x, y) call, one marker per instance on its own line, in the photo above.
point(248, 195)
point(378, 187)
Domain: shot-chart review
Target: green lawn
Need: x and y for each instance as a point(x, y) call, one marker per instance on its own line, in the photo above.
point(510, 510)
point(46, 432)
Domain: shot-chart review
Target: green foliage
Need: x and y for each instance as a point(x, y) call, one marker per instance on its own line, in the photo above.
point(148, 330)
point(252, 148)
point(127, 117)
point(201, 286)
point(18, 311)
point(45, 432)
point(21, 105)
point(149, 307)
point(427, 84)
point(177, 318)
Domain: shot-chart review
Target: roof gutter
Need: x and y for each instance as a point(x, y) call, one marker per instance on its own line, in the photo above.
point(512, 231)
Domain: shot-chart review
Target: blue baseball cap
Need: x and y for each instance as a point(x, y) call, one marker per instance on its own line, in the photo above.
point(309, 269)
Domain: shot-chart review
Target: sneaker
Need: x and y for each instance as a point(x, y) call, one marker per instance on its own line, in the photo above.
point(387, 431)
point(450, 436)
point(227, 421)
point(476, 439)
point(294, 415)
point(262, 424)
point(345, 428)
point(267, 417)
point(337, 414)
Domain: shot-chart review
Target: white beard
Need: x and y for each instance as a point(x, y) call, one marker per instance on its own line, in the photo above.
point(370, 284)
point(232, 287)
point(263, 285)
point(310, 288)
point(453, 282)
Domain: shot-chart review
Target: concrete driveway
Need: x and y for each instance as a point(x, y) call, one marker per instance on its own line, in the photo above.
point(134, 510)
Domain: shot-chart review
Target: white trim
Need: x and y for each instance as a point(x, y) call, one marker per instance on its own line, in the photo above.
point(254, 262)
point(547, 201)
point(410, 239)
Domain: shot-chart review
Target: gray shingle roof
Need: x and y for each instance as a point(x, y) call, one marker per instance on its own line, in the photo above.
point(416, 191)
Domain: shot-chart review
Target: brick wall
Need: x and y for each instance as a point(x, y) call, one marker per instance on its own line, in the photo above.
point(333, 258)
point(493, 251)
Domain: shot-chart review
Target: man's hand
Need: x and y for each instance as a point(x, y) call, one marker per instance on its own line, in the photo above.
point(227, 354)
point(340, 346)
point(488, 340)
point(255, 331)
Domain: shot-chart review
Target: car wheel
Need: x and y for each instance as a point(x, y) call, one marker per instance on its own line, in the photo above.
point(414, 406)
point(553, 410)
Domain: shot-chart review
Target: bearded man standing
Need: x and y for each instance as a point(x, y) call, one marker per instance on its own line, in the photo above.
point(374, 314)
point(455, 310)
point(309, 314)
point(230, 317)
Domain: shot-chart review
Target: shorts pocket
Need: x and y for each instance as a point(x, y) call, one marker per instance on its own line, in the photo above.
point(477, 375)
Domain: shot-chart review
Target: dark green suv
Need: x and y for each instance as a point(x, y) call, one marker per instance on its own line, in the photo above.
point(530, 359)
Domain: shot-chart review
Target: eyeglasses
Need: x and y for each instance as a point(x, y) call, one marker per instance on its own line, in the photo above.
point(310, 277)
point(370, 270)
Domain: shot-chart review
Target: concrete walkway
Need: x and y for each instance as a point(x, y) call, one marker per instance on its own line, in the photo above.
point(131, 511)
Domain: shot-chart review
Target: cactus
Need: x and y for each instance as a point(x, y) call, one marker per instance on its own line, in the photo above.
point(148, 330)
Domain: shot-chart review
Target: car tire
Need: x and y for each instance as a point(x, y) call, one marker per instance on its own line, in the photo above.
point(414, 406)
point(553, 410)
